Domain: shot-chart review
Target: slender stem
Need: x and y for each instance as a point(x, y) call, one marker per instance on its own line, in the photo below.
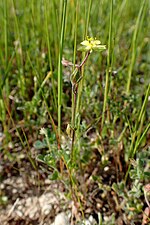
point(138, 135)
point(88, 7)
point(85, 59)
point(74, 61)
point(88, 17)
point(19, 55)
point(5, 32)
point(49, 53)
point(74, 102)
point(73, 121)
point(60, 66)
point(138, 126)
point(60, 83)
point(134, 46)
point(108, 64)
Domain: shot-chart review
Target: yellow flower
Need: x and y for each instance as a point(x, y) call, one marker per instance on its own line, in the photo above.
point(91, 44)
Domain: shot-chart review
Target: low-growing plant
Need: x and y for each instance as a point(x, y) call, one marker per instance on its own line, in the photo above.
point(131, 202)
point(68, 153)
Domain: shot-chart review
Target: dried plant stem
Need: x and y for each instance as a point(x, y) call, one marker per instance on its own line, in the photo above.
point(84, 61)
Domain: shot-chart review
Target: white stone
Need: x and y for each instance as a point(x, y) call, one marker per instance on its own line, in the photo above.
point(61, 219)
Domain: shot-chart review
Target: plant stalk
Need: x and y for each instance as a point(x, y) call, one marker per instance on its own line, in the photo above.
point(74, 102)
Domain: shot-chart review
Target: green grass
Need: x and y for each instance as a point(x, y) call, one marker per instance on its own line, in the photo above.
point(111, 110)
point(60, 65)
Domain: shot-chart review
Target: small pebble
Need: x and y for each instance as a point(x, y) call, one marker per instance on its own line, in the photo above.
point(61, 219)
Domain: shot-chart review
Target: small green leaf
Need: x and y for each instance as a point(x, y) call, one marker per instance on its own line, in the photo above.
point(147, 174)
point(54, 175)
point(39, 145)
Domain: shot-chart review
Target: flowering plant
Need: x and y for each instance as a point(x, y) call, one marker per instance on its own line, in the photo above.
point(91, 44)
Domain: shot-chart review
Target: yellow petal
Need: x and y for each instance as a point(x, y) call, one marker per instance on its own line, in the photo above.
point(86, 43)
point(88, 47)
point(95, 42)
point(99, 47)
